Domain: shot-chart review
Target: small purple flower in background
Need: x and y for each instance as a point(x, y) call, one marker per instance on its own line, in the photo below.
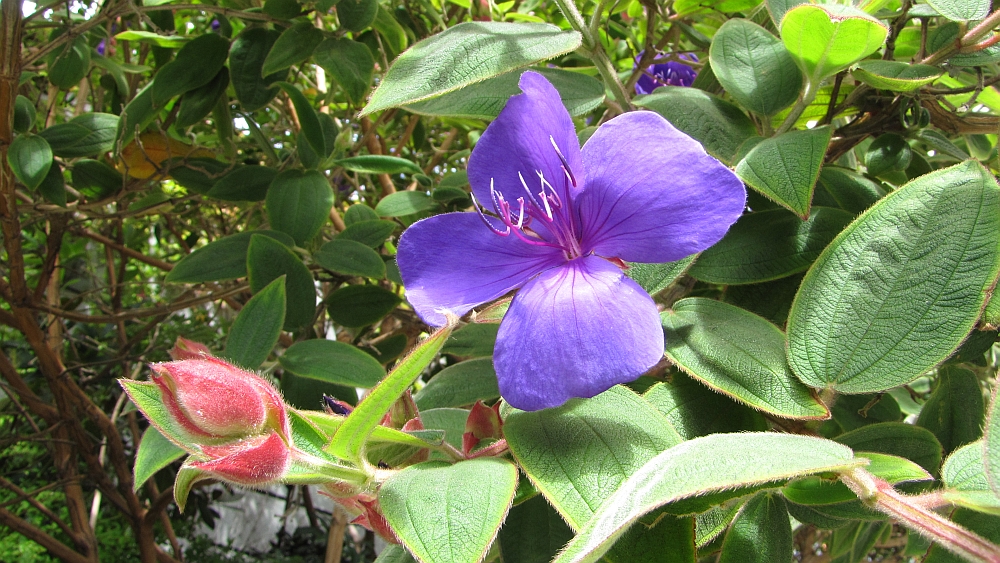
point(563, 220)
point(671, 73)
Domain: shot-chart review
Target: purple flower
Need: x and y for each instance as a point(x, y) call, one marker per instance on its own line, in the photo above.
point(671, 73)
point(563, 220)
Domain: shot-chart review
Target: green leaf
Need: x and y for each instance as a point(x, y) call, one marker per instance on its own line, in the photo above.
point(768, 245)
point(473, 340)
point(654, 278)
point(401, 204)
point(533, 532)
point(246, 60)
point(356, 15)
point(754, 67)
point(427, 502)
point(30, 158)
point(244, 183)
point(308, 118)
point(298, 203)
point(577, 454)
point(71, 65)
point(295, 45)
point(155, 452)
point(394, 554)
point(268, 260)
point(197, 103)
point(136, 116)
point(372, 234)
point(961, 10)
point(150, 38)
point(95, 179)
point(350, 258)
point(778, 8)
point(258, 326)
point(359, 212)
point(350, 63)
point(687, 7)
point(846, 189)
point(901, 287)
point(90, 134)
point(465, 54)
point(761, 532)
point(195, 65)
point(785, 168)
point(333, 362)
point(379, 164)
point(24, 114)
point(219, 260)
point(484, 100)
point(955, 410)
point(941, 144)
point(718, 125)
point(739, 354)
point(360, 305)
point(991, 443)
point(965, 481)
point(899, 439)
point(459, 385)
point(894, 75)
point(824, 39)
point(282, 9)
point(349, 441)
point(53, 186)
point(888, 153)
point(723, 461)
point(894, 469)
point(683, 401)
point(186, 478)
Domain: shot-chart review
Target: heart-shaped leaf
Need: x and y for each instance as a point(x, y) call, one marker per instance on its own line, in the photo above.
point(827, 38)
point(785, 168)
point(754, 67)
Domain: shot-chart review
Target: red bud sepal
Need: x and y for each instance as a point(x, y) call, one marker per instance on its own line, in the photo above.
point(185, 349)
point(484, 423)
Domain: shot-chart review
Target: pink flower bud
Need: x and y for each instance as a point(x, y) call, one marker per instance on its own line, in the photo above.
point(483, 423)
point(252, 462)
point(212, 398)
point(185, 349)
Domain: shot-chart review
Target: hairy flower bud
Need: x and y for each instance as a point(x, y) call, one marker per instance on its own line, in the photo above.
point(212, 398)
point(252, 462)
point(185, 349)
point(483, 424)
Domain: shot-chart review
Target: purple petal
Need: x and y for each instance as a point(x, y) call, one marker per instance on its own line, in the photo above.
point(575, 331)
point(653, 194)
point(518, 142)
point(453, 262)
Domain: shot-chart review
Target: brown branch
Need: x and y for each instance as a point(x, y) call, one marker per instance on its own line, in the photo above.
point(140, 313)
point(10, 72)
point(9, 320)
point(35, 403)
point(30, 498)
point(960, 124)
point(374, 147)
point(37, 535)
point(53, 244)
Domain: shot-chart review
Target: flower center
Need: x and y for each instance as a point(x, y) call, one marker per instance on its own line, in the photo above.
point(541, 218)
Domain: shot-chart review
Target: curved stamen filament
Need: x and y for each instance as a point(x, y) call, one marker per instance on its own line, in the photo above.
point(486, 219)
point(565, 163)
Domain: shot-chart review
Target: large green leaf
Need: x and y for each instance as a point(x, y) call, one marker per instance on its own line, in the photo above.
point(258, 326)
point(718, 125)
point(768, 245)
point(95, 179)
point(901, 287)
point(155, 452)
point(298, 203)
point(955, 410)
point(449, 513)
point(896, 438)
point(372, 234)
point(991, 443)
point(533, 532)
point(761, 532)
point(246, 60)
point(295, 45)
point(785, 168)
point(654, 278)
point(90, 134)
point(458, 385)
point(355, 15)
point(695, 410)
point(197, 103)
point(896, 76)
point(350, 258)
point(484, 100)
point(754, 67)
point(401, 204)
point(30, 158)
point(965, 482)
point(196, 64)
point(220, 260)
point(70, 65)
point(712, 463)
point(577, 454)
point(244, 183)
point(333, 362)
point(827, 38)
point(380, 164)
point(360, 305)
point(350, 63)
point(739, 354)
point(962, 10)
point(267, 260)
point(349, 441)
point(464, 54)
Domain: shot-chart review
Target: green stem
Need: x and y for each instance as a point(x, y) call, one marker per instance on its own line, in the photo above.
point(882, 496)
point(808, 95)
point(595, 50)
point(972, 37)
point(610, 76)
point(575, 19)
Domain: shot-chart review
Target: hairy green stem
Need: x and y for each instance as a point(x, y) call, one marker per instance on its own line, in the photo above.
point(595, 50)
point(808, 95)
point(883, 497)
